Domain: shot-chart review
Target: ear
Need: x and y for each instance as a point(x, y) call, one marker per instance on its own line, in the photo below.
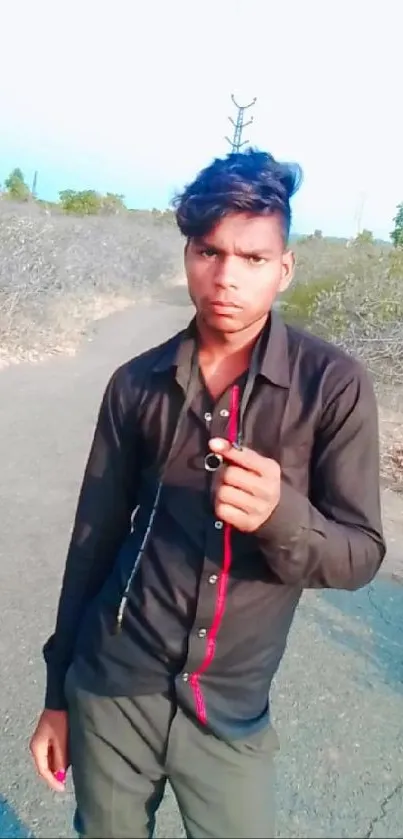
point(287, 270)
point(185, 252)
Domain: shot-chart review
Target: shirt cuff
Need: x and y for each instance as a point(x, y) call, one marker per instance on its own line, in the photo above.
point(55, 699)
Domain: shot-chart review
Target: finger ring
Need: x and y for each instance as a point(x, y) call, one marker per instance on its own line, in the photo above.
point(212, 462)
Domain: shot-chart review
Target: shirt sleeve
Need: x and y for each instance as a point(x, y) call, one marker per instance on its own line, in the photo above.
point(103, 520)
point(333, 539)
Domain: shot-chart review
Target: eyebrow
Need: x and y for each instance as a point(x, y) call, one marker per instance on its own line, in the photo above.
point(263, 252)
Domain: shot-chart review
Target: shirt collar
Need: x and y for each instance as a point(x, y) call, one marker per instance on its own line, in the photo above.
point(272, 358)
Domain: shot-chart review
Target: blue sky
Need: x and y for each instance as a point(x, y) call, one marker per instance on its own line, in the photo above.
point(136, 98)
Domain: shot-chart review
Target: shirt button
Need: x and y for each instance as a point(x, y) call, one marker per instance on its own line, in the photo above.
point(208, 417)
point(224, 412)
point(218, 525)
point(202, 632)
point(185, 677)
point(212, 579)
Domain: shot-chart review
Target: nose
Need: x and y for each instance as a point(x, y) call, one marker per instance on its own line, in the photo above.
point(225, 275)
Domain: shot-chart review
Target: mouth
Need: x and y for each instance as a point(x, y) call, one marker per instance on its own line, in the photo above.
point(224, 308)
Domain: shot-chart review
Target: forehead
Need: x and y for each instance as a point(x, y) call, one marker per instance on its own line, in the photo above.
point(247, 233)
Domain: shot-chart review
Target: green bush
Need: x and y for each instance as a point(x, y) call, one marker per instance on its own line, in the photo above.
point(84, 203)
point(359, 305)
point(299, 302)
point(16, 188)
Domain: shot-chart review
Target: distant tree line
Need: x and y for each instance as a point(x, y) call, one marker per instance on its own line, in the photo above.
point(90, 202)
point(83, 202)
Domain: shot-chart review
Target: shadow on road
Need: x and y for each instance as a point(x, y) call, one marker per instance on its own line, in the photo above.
point(10, 825)
point(369, 622)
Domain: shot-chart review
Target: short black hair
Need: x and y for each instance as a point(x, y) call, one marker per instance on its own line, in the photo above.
point(251, 181)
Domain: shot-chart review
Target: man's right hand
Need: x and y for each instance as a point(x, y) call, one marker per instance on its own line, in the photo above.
point(49, 748)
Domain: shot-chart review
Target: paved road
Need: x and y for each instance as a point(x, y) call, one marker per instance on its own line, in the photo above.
point(338, 699)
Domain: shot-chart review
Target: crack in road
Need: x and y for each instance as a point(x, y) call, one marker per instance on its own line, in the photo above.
point(382, 812)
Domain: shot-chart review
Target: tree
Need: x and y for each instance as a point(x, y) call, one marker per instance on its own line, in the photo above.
point(366, 237)
point(89, 202)
point(397, 234)
point(16, 187)
point(84, 203)
point(112, 203)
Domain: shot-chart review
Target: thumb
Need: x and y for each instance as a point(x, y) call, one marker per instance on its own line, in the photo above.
point(219, 445)
point(43, 755)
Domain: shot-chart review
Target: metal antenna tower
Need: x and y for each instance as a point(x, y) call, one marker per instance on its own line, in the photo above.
point(236, 142)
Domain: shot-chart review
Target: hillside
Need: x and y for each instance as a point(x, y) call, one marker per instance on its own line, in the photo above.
point(58, 272)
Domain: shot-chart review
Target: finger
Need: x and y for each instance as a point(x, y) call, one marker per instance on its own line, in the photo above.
point(237, 498)
point(40, 754)
point(219, 445)
point(59, 745)
point(243, 479)
point(231, 515)
point(245, 458)
point(58, 760)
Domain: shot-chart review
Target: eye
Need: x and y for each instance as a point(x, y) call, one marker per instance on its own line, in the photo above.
point(207, 253)
point(256, 260)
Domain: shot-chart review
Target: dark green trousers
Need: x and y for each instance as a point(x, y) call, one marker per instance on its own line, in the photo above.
point(124, 750)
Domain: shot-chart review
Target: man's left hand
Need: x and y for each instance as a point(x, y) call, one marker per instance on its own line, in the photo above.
point(249, 487)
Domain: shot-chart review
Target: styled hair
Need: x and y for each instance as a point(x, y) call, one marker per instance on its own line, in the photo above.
point(242, 182)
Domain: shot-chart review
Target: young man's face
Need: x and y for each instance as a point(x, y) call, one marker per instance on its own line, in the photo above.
point(235, 272)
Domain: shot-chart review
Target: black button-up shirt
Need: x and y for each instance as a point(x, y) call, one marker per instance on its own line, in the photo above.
point(144, 606)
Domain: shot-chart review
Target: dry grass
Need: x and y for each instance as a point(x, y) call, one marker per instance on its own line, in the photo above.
point(352, 294)
point(358, 304)
point(391, 446)
point(59, 273)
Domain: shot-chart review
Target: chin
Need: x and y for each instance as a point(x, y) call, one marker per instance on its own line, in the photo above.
point(225, 324)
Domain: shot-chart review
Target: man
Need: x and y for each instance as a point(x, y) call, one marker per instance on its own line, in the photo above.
point(232, 467)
